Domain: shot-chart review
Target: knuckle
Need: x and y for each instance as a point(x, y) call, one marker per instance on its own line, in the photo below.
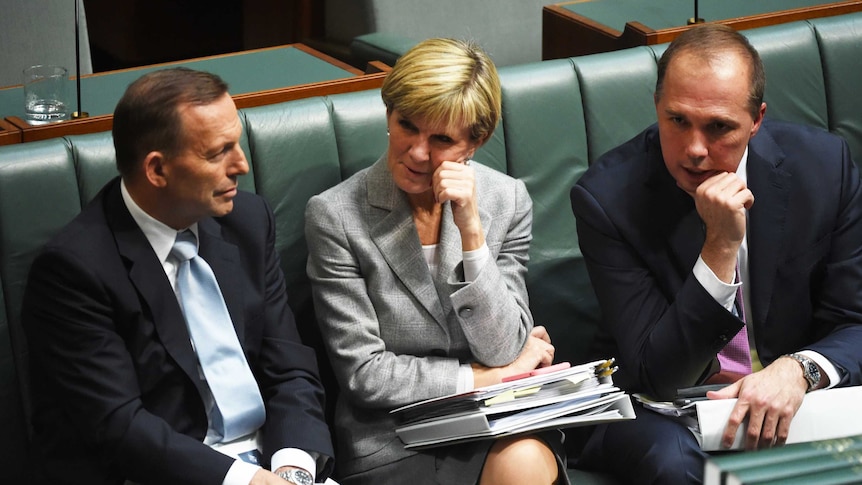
point(752, 434)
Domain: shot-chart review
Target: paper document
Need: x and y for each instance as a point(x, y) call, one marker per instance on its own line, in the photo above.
point(824, 414)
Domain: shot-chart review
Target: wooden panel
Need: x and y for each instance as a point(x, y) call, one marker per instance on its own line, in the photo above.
point(567, 34)
point(9, 133)
point(80, 126)
point(326, 88)
point(27, 133)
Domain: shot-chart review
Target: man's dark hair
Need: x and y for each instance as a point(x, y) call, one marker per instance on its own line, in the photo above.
point(147, 118)
point(710, 41)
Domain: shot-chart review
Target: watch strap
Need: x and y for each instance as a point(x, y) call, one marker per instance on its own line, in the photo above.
point(810, 371)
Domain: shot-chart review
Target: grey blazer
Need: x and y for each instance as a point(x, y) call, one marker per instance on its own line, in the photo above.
point(396, 333)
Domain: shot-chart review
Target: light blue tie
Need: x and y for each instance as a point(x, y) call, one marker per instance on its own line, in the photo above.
point(238, 407)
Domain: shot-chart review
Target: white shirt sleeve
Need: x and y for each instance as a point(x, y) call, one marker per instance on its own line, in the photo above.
point(722, 292)
point(474, 261)
point(465, 378)
point(240, 473)
point(296, 458)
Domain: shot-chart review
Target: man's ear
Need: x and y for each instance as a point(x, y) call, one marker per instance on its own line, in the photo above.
point(759, 121)
point(154, 168)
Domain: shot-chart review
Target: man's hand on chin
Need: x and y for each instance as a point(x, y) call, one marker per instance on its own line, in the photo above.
point(769, 399)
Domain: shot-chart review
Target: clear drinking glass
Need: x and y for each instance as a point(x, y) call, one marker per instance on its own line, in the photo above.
point(46, 92)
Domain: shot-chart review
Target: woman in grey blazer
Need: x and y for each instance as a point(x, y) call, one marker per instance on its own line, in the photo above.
point(417, 266)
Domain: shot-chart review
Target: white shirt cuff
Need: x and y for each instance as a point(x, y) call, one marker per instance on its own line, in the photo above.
point(474, 261)
point(296, 458)
point(465, 378)
point(720, 291)
point(825, 365)
point(240, 473)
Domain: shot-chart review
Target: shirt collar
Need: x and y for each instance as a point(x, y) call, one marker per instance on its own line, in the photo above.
point(742, 169)
point(160, 236)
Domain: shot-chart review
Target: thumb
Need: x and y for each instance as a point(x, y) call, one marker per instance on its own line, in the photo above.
point(728, 392)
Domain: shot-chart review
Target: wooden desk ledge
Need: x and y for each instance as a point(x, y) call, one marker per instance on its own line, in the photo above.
point(9, 133)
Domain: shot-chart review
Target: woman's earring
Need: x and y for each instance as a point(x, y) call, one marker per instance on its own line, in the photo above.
point(387, 131)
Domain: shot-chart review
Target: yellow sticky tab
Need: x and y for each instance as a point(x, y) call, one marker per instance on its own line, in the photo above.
point(501, 398)
point(526, 392)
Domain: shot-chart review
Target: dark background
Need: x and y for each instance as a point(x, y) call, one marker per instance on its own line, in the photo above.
point(132, 33)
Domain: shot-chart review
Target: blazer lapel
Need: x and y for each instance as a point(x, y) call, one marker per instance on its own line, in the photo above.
point(223, 258)
point(766, 226)
point(394, 233)
point(148, 276)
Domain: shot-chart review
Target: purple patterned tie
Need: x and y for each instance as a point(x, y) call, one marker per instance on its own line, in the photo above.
point(735, 357)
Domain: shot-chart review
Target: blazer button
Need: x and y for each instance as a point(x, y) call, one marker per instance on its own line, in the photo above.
point(466, 312)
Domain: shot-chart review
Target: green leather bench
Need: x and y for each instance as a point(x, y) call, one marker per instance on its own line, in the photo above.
point(558, 116)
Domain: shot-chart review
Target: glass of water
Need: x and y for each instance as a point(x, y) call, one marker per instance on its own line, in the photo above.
point(46, 94)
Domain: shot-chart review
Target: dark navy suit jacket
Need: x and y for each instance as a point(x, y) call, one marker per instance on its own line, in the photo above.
point(641, 235)
point(117, 392)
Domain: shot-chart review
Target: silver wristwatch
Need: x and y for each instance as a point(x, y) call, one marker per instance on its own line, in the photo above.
point(809, 370)
point(297, 476)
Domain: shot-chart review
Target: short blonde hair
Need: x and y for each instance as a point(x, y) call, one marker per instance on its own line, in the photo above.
point(446, 82)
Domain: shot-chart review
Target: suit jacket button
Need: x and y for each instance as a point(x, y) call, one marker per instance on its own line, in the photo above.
point(466, 312)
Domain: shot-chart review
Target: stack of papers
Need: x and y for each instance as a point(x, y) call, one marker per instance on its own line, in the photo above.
point(572, 396)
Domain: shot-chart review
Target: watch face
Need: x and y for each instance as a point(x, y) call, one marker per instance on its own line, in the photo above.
point(299, 477)
point(813, 373)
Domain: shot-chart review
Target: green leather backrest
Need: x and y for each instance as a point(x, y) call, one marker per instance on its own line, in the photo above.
point(795, 90)
point(13, 445)
point(295, 156)
point(95, 163)
point(360, 125)
point(841, 53)
point(38, 196)
point(617, 96)
point(544, 120)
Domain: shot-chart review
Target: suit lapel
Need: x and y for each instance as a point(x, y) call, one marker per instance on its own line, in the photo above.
point(680, 224)
point(686, 232)
point(393, 231)
point(771, 188)
point(223, 258)
point(148, 276)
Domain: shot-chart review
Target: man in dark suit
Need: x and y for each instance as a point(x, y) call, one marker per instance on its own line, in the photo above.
point(665, 220)
point(120, 391)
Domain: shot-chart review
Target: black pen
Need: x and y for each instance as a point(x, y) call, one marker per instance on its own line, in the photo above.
point(685, 401)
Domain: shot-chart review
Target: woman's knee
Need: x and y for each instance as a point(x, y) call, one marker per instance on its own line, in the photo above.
point(510, 460)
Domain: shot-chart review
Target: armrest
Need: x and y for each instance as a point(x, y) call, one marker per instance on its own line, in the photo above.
point(379, 46)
